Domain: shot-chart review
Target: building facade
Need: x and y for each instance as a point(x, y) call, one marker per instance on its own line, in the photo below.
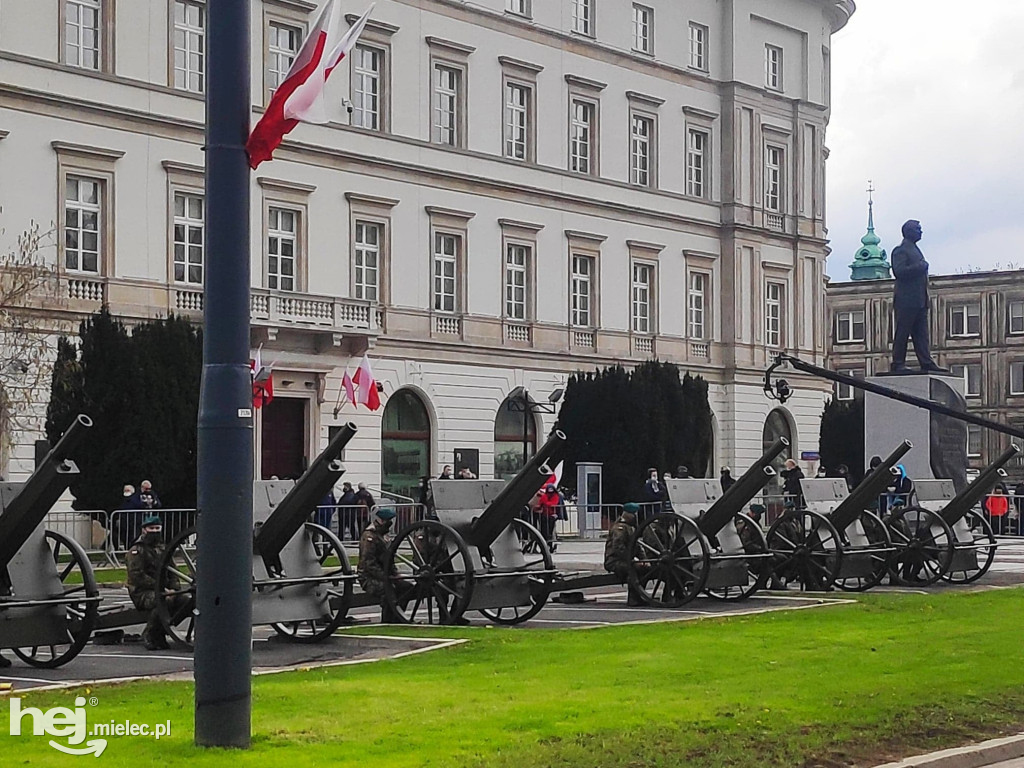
point(511, 191)
point(976, 329)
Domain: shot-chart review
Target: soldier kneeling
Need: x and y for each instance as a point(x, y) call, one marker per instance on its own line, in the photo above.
point(373, 561)
point(617, 555)
point(143, 562)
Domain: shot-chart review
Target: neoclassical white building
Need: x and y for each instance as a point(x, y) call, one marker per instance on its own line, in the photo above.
point(512, 190)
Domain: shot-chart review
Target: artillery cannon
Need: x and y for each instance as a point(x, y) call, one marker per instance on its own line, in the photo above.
point(48, 592)
point(478, 555)
point(971, 545)
point(302, 578)
point(677, 555)
point(836, 539)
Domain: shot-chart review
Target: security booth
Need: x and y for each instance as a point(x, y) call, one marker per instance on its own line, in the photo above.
point(588, 499)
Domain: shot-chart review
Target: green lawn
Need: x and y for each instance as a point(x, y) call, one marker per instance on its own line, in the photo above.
point(840, 685)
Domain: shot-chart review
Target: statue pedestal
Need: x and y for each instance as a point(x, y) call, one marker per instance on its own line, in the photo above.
point(940, 442)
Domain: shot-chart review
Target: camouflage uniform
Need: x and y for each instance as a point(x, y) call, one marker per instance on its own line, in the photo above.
point(618, 558)
point(372, 570)
point(143, 561)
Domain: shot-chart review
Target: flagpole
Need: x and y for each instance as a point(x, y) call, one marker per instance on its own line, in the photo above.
point(223, 655)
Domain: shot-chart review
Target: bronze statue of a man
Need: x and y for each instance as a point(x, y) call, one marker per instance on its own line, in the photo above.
point(910, 302)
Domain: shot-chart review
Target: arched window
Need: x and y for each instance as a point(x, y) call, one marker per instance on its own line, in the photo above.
point(515, 436)
point(405, 444)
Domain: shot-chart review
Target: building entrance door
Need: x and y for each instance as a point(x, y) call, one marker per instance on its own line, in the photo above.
point(283, 437)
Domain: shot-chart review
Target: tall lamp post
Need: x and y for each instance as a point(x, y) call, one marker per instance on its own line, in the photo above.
point(519, 401)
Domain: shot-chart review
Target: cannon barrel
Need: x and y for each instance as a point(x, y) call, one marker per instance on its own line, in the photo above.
point(37, 495)
point(746, 487)
point(517, 492)
point(865, 495)
point(976, 490)
point(293, 511)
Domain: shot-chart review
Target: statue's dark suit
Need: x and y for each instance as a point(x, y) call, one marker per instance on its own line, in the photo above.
point(910, 301)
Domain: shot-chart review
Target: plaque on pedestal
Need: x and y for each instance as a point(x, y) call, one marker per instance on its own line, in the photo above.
point(940, 442)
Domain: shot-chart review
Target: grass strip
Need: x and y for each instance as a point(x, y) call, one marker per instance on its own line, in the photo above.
point(843, 685)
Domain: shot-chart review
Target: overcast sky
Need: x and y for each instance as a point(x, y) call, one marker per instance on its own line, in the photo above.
point(928, 103)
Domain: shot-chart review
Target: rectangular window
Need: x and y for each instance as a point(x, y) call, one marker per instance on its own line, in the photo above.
point(697, 302)
point(282, 248)
point(367, 260)
point(582, 291)
point(973, 441)
point(642, 289)
point(189, 210)
point(965, 320)
point(971, 373)
point(519, 7)
point(83, 219)
point(773, 159)
point(583, 17)
point(282, 46)
point(447, 82)
point(849, 327)
point(517, 260)
point(367, 65)
point(640, 150)
point(189, 45)
point(581, 138)
point(698, 47)
point(773, 296)
point(517, 121)
point(82, 20)
point(446, 261)
point(696, 163)
point(1017, 378)
point(773, 67)
point(846, 391)
point(643, 28)
point(1016, 313)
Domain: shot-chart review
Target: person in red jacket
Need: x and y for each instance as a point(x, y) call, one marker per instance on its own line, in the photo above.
point(548, 513)
point(997, 505)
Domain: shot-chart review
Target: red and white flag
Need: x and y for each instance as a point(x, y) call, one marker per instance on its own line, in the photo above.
point(300, 96)
point(350, 388)
point(367, 394)
point(262, 381)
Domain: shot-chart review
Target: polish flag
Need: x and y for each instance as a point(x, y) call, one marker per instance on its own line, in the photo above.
point(262, 381)
point(350, 388)
point(300, 96)
point(367, 394)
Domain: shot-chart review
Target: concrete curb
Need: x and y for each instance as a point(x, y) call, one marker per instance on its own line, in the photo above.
point(973, 756)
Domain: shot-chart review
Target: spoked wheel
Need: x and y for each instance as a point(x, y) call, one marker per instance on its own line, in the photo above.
point(431, 574)
point(538, 558)
point(336, 572)
point(968, 567)
point(924, 546)
point(79, 586)
point(805, 547)
point(176, 588)
point(876, 559)
point(758, 566)
point(671, 560)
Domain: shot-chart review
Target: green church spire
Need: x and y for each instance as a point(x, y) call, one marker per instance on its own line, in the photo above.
point(870, 262)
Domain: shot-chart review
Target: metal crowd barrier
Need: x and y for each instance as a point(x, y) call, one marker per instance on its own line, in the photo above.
point(126, 525)
point(349, 521)
point(87, 527)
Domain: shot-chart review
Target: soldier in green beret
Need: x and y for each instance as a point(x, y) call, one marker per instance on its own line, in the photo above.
point(617, 550)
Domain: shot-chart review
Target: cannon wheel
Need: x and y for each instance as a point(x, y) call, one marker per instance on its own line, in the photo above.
point(984, 544)
point(77, 579)
point(327, 546)
point(538, 557)
point(924, 546)
point(666, 571)
point(805, 546)
point(179, 561)
point(757, 568)
point(431, 574)
point(878, 538)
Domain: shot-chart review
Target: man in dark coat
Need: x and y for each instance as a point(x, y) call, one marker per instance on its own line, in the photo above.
point(791, 477)
point(654, 495)
point(617, 554)
point(143, 562)
point(910, 302)
point(726, 478)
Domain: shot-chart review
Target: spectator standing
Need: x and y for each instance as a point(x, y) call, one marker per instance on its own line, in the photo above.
point(466, 474)
point(682, 472)
point(791, 477)
point(446, 473)
point(325, 510)
point(653, 495)
point(364, 503)
point(726, 479)
point(548, 514)
point(128, 522)
point(843, 471)
point(997, 505)
point(426, 499)
point(902, 489)
point(348, 517)
point(148, 497)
